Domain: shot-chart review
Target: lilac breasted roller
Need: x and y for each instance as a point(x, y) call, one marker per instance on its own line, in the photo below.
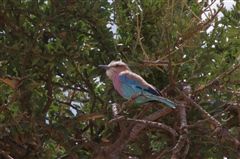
point(128, 83)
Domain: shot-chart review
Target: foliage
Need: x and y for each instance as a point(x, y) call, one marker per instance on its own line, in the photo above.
point(56, 103)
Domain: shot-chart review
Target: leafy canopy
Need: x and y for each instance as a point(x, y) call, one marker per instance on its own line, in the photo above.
point(56, 103)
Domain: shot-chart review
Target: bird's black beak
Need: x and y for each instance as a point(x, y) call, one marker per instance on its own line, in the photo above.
point(104, 67)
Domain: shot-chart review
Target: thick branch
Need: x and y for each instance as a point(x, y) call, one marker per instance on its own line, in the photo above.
point(133, 132)
point(155, 124)
point(184, 131)
point(49, 94)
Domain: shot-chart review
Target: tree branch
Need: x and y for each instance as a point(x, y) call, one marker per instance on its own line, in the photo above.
point(133, 132)
point(155, 124)
point(49, 94)
point(205, 113)
point(184, 132)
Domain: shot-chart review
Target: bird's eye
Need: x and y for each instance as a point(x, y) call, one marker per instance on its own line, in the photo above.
point(117, 65)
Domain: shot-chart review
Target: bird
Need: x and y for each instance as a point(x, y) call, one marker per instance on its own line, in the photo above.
point(128, 83)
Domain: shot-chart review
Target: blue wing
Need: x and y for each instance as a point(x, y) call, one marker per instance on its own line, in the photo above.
point(138, 87)
point(131, 86)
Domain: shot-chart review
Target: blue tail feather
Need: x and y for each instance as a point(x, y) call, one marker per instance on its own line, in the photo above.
point(148, 98)
point(166, 101)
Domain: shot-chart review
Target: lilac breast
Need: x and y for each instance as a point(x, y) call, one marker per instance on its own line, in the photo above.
point(117, 83)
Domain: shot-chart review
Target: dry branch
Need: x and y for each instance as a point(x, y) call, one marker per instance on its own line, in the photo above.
point(133, 132)
point(184, 132)
point(155, 124)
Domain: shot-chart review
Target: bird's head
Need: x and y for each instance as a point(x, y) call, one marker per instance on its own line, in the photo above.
point(114, 67)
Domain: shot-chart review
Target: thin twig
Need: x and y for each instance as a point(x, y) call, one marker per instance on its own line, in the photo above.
point(201, 26)
point(205, 113)
point(164, 62)
point(139, 27)
point(5, 154)
point(197, 17)
point(17, 83)
point(225, 91)
point(217, 79)
point(170, 75)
